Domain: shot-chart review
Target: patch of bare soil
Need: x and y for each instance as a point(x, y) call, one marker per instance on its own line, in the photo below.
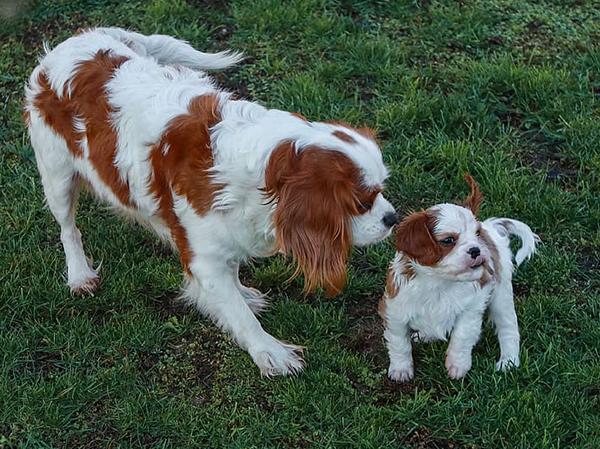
point(169, 304)
point(187, 367)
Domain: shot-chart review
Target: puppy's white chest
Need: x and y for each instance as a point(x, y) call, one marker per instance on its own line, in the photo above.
point(432, 311)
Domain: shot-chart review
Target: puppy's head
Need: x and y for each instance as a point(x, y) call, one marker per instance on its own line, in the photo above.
point(328, 199)
point(446, 240)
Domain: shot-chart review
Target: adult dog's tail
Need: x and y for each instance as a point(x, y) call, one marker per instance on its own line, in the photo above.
point(168, 50)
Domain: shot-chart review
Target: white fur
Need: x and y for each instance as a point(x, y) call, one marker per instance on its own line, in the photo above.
point(168, 50)
point(147, 92)
point(447, 300)
point(367, 227)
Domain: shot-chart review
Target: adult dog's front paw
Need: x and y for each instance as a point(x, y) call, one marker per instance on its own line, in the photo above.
point(84, 282)
point(275, 358)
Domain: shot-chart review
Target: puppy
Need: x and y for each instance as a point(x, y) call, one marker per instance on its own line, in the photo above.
point(222, 180)
point(448, 269)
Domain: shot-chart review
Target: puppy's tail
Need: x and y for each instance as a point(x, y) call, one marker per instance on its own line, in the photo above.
point(168, 50)
point(508, 226)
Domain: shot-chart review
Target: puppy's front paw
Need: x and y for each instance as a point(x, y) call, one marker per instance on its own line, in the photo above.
point(275, 358)
point(401, 372)
point(458, 365)
point(506, 363)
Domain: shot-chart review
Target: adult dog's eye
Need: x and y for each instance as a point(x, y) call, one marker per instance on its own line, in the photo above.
point(478, 233)
point(448, 241)
point(365, 207)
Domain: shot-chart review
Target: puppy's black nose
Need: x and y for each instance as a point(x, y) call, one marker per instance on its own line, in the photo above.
point(390, 219)
point(474, 251)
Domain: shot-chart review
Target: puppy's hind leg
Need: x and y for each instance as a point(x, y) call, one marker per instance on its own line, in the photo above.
point(61, 187)
point(504, 317)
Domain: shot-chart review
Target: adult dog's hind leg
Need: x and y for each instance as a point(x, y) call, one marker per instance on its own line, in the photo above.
point(61, 187)
point(256, 300)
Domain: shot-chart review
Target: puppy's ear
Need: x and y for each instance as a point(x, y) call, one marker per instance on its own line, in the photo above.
point(414, 238)
point(313, 191)
point(475, 198)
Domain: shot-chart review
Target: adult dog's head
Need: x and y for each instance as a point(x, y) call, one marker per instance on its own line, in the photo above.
point(328, 197)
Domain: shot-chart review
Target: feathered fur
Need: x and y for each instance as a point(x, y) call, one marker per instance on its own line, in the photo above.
point(153, 137)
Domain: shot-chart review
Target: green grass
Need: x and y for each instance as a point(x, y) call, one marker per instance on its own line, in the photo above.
point(506, 89)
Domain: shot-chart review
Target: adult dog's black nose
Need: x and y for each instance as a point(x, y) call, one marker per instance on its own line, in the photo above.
point(474, 251)
point(390, 219)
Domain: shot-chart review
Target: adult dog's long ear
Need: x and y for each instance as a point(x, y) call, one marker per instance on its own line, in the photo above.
point(314, 194)
point(475, 198)
point(414, 238)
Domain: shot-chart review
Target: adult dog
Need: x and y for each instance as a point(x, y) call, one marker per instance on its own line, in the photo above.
point(223, 180)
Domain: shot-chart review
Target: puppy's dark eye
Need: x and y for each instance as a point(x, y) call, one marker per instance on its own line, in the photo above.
point(478, 233)
point(448, 241)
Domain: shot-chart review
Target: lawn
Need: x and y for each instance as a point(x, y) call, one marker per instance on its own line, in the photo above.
point(508, 90)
